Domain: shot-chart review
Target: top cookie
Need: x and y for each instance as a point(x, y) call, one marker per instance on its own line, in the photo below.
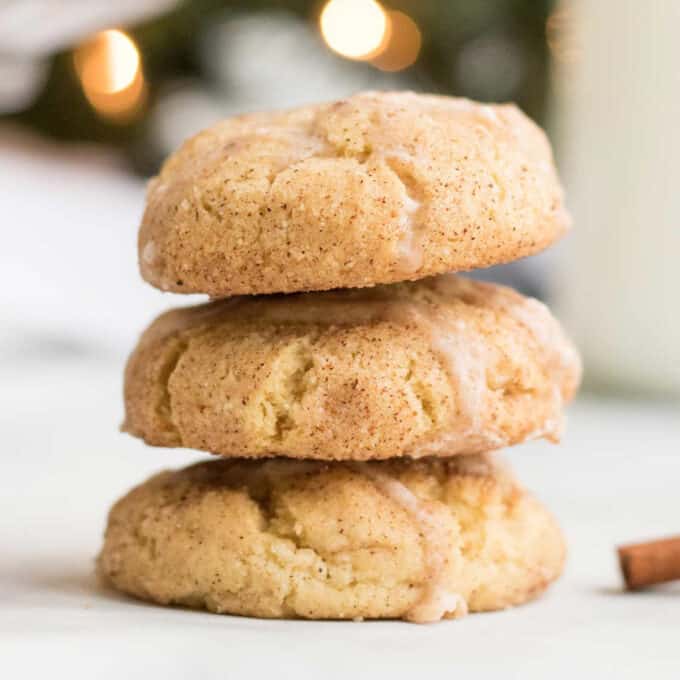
point(376, 188)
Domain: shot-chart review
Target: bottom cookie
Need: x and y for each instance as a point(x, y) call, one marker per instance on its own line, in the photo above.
point(399, 539)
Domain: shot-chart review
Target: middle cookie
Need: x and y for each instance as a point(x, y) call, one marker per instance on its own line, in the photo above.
point(442, 366)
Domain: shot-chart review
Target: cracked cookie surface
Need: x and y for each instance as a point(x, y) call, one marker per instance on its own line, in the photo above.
point(376, 188)
point(442, 366)
point(417, 540)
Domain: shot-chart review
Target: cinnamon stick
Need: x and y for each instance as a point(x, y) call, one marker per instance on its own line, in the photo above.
point(646, 564)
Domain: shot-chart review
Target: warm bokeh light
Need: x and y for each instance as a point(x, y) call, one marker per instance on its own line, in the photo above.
point(107, 63)
point(403, 45)
point(355, 29)
point(110, 71)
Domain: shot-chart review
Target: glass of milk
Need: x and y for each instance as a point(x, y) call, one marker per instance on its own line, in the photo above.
point(617, 118)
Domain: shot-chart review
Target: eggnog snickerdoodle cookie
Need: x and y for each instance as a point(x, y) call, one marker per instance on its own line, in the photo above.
point(438, 367)
point(416, 540)
point(378, 188)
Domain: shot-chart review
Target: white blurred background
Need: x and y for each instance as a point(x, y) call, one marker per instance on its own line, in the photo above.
point(94, 96)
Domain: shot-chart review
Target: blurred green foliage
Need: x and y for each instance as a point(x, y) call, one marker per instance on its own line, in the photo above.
point(169, 48)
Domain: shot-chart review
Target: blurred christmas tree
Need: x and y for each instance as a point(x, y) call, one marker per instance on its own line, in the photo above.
point(206, 58)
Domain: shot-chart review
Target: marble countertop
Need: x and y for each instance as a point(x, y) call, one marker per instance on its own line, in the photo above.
point(614, 479)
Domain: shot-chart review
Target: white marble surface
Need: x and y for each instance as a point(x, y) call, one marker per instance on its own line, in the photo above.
point(615, 478)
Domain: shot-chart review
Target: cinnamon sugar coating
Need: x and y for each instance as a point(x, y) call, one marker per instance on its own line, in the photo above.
point(417, 540)
point(442, 366)
point(377, 188)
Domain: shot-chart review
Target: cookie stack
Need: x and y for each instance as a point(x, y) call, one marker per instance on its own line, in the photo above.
point(352, 389)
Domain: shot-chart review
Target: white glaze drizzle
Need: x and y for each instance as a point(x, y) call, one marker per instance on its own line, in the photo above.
point(410, 247)
point(462, 352)
point(149, 253)
point(535, 316)
point(488, 113)
point(560, 355)
point(437, 601)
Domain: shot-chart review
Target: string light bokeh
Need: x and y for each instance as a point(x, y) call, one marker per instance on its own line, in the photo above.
point(355, 29)
point(367, 31)
point(109, 67)
point(402, 44)
point(221, 57)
